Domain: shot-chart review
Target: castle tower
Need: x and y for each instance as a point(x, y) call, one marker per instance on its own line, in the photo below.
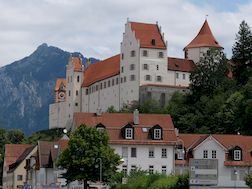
point(201, 43)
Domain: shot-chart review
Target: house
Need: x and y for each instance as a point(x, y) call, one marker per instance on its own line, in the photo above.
point(228, 156)
point(16, 175)
point(140, 72)
point(11, 154)
point(144, 141)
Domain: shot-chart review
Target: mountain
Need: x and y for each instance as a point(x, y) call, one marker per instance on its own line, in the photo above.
point(27, 85)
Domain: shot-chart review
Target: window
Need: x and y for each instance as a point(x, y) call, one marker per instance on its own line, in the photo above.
point(177, 75)
point(157, 67)
point(153, 42)
point(133, 152)
point(122, 69)
point(86, 91)
point(180, 154)
point(147, 77)
point(133, 168)
point(132, 78)
point(205, 154)
point(151, 169)
point(105, 84)
point(124, 152)
point(122, 56)
point(151, 153)
point(100, 85)
point(132, 66)
point(19, 177)
point(160, 55)
point(183, 76)
point(214, 154)
point(157, 133)
point(163, 170)
point(108, 83)
point(145, 53)
point(121, 80)
point(77, 92)
point(159, 78)
point(164, 153)
point(237, 155)
point(128, 133)
point(133, 53)
point(69, 93)
point(78, 79)
point(124, 170)
point(96, 87)
point(113, 82)
point(76, 104)
point(71, 79)
point(124, 79)
point(145, 67)
point(117, 80)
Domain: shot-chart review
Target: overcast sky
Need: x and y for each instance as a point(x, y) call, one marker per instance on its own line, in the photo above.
point(95, 28)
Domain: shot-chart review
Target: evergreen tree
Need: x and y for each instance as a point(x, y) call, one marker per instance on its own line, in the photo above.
point(242, 54)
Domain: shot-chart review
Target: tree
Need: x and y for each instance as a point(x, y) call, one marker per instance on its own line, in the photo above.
point(15, 136)
point(242, 54)
point(85, 146)
point(248, 180)
point(210, 73)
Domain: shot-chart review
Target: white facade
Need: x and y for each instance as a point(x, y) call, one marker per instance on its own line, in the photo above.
point(196, 53)
point(145, 159)
point(57, 115)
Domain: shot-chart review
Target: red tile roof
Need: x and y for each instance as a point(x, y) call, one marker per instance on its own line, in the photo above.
point(179, 64)
point(204, 38)
point(145, 33)
point(58, 83)
point(190, 140)
point(12, 153)
point(101, 70)
point(76, 61)
point(115, 121)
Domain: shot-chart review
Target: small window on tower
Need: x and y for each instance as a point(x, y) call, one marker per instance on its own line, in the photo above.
point(160, 55)
point(159, 78)
point(133, 53)
point(145, 53)
point(78, 79)
point(132, 66)
point(77, 92)
point(113, 82)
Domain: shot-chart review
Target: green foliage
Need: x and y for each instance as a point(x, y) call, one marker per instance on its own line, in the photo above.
point(143, 180)
point(248, 180)
point(85, 146)
point(242, 54)
point(150, 106)
point(111, 109)
point(209, 73)
point(46, 135)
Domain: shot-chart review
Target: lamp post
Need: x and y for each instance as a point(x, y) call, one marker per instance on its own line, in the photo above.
point(100, 167)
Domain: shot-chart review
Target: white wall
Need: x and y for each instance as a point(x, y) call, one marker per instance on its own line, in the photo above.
point(57, 115)
point(102, 98)
point(180, 81)
point(196, 53)
point(224, 172)
point(143, 161)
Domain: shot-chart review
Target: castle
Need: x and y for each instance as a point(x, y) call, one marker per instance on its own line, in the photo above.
point(141, 71)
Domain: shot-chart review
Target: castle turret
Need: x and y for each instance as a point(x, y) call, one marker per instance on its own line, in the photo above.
point(201, 43)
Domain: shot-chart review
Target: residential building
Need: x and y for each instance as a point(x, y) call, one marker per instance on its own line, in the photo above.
point(11, 154)
point(140, 72)
point(144, 141)
point(228, 156)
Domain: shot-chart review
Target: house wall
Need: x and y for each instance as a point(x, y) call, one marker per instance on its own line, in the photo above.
point(143, 161)
point(129, 90)
point(224, 172)
point(196, 53)
point(57, 115)
point(103, 97)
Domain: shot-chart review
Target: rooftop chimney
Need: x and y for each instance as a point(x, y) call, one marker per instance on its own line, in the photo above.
point(136, 117)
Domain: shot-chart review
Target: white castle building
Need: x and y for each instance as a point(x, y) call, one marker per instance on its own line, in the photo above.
point(141, 71)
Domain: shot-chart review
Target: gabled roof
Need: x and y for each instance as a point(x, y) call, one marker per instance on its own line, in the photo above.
point(190, 140)
point(101, 70)
point(204, 38)
point(59, 82)
point(145, 33)
point(114, 122)
point(76, 61)
point(179, 64)
point(13, 152)
point(13, 166)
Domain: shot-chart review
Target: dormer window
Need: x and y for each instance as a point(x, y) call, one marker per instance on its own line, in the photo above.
point(128, 133)
point(100, 127)
point(157, 134)
point(153, 42)
point(237, 155)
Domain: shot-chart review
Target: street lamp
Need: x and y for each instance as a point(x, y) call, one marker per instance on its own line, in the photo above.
point(100, 166)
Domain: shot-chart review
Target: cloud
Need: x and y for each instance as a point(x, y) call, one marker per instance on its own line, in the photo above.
point(95, 28)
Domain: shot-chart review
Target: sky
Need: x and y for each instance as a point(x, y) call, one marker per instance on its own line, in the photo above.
point(95, 28)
